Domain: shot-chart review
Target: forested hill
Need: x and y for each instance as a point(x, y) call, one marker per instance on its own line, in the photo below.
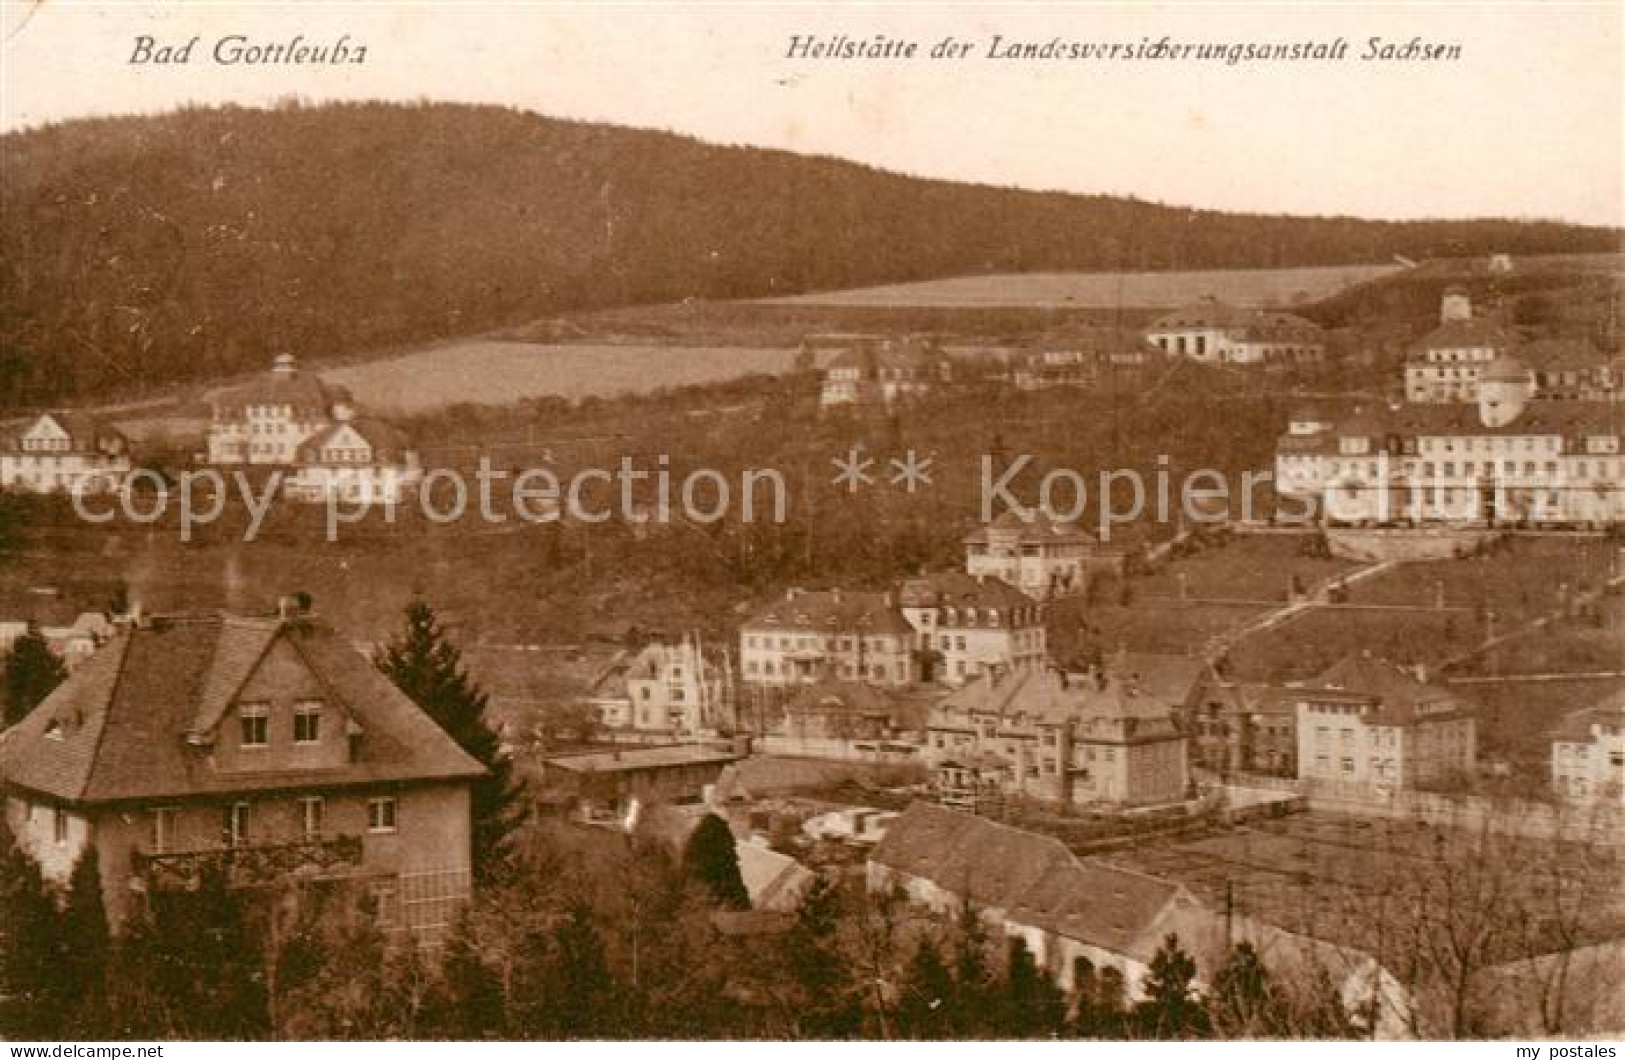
point(150, 249)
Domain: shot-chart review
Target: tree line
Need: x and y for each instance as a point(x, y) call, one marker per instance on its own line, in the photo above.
point(194, 244)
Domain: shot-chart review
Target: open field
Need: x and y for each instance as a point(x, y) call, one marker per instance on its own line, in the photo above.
point(1245, 567)
point(1145, 625)
point(490, 372)
point(1278, 287)
point(1520, 583)
point(1310, 643)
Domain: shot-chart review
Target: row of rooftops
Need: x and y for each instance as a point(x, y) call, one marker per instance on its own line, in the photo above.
point(1143, 687)
point(1539, 353)
point(1033, 879)
point(1572, 419)
point(1241, 322)
point(844, 610)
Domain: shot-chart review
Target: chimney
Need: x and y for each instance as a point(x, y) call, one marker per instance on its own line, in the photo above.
point(293, 605)
point(1421, 671)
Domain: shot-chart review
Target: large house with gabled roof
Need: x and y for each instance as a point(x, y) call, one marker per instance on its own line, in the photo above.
point(876, 370)
point(1588, 754)
point(290, 421)
point(807, 636)
point(1367, 723)
point(1211, 332)
point(266, 749)
point(1107, 736)
point(969, 624)
point(64, 452)
point(1041, 556)
point(1085, 920)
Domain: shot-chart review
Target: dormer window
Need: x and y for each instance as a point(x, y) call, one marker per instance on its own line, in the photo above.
point(255, 719)
point(53, 731)
point(307, 721)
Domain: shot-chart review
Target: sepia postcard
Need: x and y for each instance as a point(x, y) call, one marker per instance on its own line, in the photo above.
point(845, 523)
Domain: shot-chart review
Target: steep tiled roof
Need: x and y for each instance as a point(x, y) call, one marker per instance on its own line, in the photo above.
point(1473, 333)
point(872, 352)
point(303, 391)
point(1559, 354)
point(1398, 696)
point(773, 880)
point(831, 611)
point(843, 697)
point(1033, 879)
point(1539, 417)
point(1033, 526)
point(1575, 727)
point(118, 728)
point(1256, 323)
point(1132, 685)
point(86, 433)
point(634, 759)
point(958, 589)
point(387, 442)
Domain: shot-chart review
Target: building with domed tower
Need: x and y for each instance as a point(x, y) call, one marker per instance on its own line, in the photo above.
point(290, 421)
point(1508, 459)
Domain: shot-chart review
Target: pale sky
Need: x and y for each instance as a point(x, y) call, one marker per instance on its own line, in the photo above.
point(1529, 123)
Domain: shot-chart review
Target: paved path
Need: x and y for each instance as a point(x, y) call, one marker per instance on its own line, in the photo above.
point(1315, 597)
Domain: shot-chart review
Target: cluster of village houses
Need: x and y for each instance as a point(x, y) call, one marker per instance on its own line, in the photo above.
point(951, 670)
point(284, 420)
point(270, 745)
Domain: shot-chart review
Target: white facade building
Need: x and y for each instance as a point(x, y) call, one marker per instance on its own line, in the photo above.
point(64, 452)
point(1040, 556)
point(289, 420)
point(1214, 333)
point(1368, 723)
point(969, 625)
point(1507, 459)
point(1588, 755)
point(810, 636)
point(664, 689)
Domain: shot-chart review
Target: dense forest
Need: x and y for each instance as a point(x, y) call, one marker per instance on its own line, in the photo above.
point(144, 250)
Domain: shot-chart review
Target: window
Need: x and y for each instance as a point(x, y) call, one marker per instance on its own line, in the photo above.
point(381, 814)
point(166, 828)
point(383, 903)
point(59, 827)
point(256, 723)
point(311, 810)
point(307, 722)
point(236, 824)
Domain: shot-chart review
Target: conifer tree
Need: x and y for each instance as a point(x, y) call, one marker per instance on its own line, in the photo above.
point(927, 995)
point(1244, 1004)
point(828, 1004)
point(428, 667)
point(87, 942)
point(583, 985)
point(1032, 1005)
point(30, 943)
point(710, 859)
point(32, 672)
point(1171, 1008)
